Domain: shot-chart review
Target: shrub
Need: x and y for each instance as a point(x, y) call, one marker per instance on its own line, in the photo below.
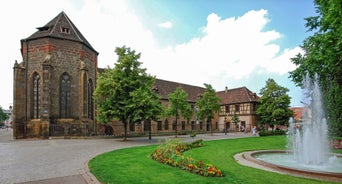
point(170, 153)
point(271, 132)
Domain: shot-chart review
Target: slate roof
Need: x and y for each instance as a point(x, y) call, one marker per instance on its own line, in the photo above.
point(237, 95)
point(58, 27)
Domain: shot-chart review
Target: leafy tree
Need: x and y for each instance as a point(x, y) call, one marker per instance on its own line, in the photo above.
point(147, 103)
point(208, 104)
point(179, 106)
point(235, 120)
point(121, 91)
point(274, 104)
point(323, 55)
point(3, 116)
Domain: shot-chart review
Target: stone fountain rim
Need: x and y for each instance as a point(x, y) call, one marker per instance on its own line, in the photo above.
point(246, 158)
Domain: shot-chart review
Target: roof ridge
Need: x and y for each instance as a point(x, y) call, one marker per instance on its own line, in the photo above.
point(54, 26)
point(223, 91)
point(247, 93)
point(72, 26)
point(179, 83)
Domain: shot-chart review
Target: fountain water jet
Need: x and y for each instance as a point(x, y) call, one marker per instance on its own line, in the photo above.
point(309, 140)
point(308, 153)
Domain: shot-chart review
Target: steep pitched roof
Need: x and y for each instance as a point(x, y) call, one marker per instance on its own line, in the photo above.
point(237, 95)
point(61, 27)
point(164, 88)
point(232, 96)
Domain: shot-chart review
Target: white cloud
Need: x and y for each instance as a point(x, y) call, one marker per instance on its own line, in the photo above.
point(166, 25)
point(230, 49)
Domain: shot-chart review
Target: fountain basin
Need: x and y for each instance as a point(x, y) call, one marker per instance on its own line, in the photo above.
point(253, 161)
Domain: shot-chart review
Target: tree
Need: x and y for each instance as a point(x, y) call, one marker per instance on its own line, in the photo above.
point(323, 55)
point(274, 104)
point(235, 120)
point(208, 104)
point(179, 106)
point(147, 103)
point(121, 91)
point(3, 116)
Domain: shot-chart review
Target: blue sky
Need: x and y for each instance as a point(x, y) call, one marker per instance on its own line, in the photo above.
point(190, 15)
point(231, 43)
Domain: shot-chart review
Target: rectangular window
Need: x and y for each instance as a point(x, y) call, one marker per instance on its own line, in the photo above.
point(237, 108)
point(132, 127)
point(227, 109)
point(166, 125)
point(192, 125)
point(159, 125)
point(183, 125)
point(174, 125)
point(65, 30)
point(254, 107)
point(147, 125)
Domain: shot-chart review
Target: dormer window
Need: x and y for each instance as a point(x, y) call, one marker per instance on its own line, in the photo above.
point(45, 28)
point(65, 30)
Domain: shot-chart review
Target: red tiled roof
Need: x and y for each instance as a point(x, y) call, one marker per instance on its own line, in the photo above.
point(166, 87)
point(298, 112)
point(237, 95)
point(231, 96)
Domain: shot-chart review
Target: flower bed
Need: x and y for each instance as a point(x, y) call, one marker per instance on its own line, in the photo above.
point(170, 153)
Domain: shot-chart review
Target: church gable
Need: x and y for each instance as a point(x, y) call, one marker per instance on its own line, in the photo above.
point(61, 27)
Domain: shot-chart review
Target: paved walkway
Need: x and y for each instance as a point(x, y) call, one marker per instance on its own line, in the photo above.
point(55, 161)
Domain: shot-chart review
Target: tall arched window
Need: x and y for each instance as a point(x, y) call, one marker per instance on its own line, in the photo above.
point(36, 90)
point(65, 96)
point(90, 100)
point(85, 95)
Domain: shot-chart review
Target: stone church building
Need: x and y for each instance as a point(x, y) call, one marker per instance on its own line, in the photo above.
point(54, 83)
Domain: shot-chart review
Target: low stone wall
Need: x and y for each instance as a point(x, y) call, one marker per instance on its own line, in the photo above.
point(336, 144)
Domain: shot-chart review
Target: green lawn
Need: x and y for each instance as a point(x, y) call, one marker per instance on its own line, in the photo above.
point(133, 165)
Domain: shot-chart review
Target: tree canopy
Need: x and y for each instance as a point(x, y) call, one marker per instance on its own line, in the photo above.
point(274, 104)
point(3, 116)
point(323, 55)
point(208, 104)
point(179, 106)
point(124, 92)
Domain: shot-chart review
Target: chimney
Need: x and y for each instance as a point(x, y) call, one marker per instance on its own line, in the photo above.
point(226, 90)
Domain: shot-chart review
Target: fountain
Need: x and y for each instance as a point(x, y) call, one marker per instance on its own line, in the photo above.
point(308, 151)
point(309, 140)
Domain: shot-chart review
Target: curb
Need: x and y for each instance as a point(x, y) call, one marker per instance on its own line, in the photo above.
point(87, 175)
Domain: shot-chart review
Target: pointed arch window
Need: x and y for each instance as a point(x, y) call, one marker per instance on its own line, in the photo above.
point(90, 100)
point(36, 90)
point(85, 95)
point(65, 96)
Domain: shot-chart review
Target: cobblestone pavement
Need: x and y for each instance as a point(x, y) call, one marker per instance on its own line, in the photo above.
point(35, 161)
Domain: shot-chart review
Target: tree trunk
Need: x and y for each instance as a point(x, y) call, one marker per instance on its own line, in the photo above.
point(176, 126)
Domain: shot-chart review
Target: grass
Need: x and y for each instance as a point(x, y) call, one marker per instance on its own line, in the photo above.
point(133, 165)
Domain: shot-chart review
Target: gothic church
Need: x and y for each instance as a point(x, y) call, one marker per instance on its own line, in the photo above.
point(55, 81)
